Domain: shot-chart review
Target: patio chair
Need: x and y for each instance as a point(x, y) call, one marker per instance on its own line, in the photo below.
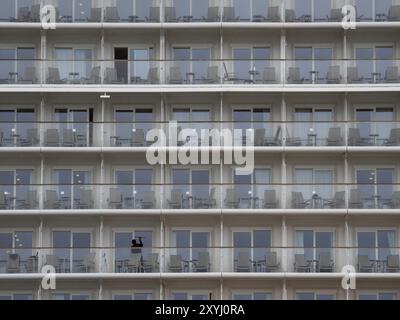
point(229, 15)
point(337, 202)
point(202, 264)
point(243, 263)
point(137, 138)
point(212, 75)
point(394, 138)
point(271, 262)
point(24, 14)
point(273, 14)
point(30, 202)
point(170, 14)
point(394, 202)
point(290, 15)
point(95, 15)
point(85, 200)
point(231, 199)
point(334, 137)
point(149, 200)
point(300, 263)
point(53, 260)
point(269, 75)
point(175, 263)
point(175, 75)
point(176, 199)
point(111, 14)
point(29, 76)
point(393, 263)
point(352, 75)
point(356, 140)
point(154, 15)
point(35, 13)
point(259, 137)
point(88, 263)
point(298, 201)
point(51, 138)
point(325, 262)
point(54, 76)
point(152, 76)
point(212, 15)
point(364, 265)
point(52, 201)
point(355, 201)
point(335, 15)
point(3, 202)
point(111, 76)
point(333, 75)
point(95, 76)
point(31, 139)
point(68, 138)
point(294, 76)
point(151, 265)
point(275, 140)
point(394, 13)
point(207, 203)
point(270, 201)
point(392, 74)
point(134, 263)
point(13, 263)
point(115, 199)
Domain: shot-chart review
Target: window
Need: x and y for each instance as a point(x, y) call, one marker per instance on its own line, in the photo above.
point(189, 244)
point(190, 296)
point(311, 244)
point(375, 187)
point(69, 185)
point(19, 243)
point(370, 10)
point(197, 119)
point(74, 63)
point(17, 190)
point(77, 123)
point(249, 63)
point(190, 10)
point(71, 248)
point(252, 118)
point(378, 296)
point(16, 296)
point(193, 184)
point(14, 63)
point(135, 296)
point(123, 250)
point(252, 296)
point(133, 184)
point(377, 245)
point(314, 296)
point(192, 63)
point(69, 296)
point(252, 244)
point(375, 124)
point(17, 125)
point(312, 125)
point(372, 62)
point(313, 63)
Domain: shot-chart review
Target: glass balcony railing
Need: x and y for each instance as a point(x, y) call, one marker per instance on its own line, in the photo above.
point(185, 259)
point(228, 196)
point(200, 72)
point(69, 11)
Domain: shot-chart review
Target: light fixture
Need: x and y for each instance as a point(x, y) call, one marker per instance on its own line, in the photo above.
point(105, 96)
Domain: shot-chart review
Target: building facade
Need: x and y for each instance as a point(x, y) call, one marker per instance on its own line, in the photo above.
point(320, 98)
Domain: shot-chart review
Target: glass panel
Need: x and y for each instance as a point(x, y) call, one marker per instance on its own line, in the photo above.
point(80, 119)
point(302, 126)
point(147, 240)
point(142, 10)
point(125, 9)
point(243, 189)
point(241, 243)
point(124, 180)
point(142, 296)
point(242, 63)
point(305, 243)
point(200, 243)
point(384, 179)
point(323, 243)
point(182, 241)
point(83, 63)
point(23, 245)
point(325, 297)
point(382, 8)
point(81, 249)
point(303, 9)
point(25, 121)
point(367, 297)
point(322, 9)
point(199, 9)
point(387, 296)
point(305, 296)
point(143, 119)
point(60, 296)
point(364, 10)
point(7, 187)
point(304, 61)
point(384, 59)
point(65, 11)
point(262, 177)
point(143, 181)
point(260, 7)
point(365, 65)
point(7, 65)
point(321, 129)
point(366, 244)
point(200, 184)
point(366, 181)
point(139, 64)
point(179, 296)
point(81, 179)
point(242, 121)
point(123, 242)
point(200, 62)
point(383, 128)
point(122, 297)
point(82, 10)
point(22, 296)
point(261, 60)
point(323, 60)
point(242, 9)
point(364, 118)
point(261, 244)
point(304, 179)
point(6, 245)
point(62, 245)
point(199, 297)
point(80, 297)
point(26, 59)
point(182, 8)
point(262, 296)
point(181, 58)
point(386, 244)
point(242, 297)
point(181, 181)
point(123, 127)
point(64, 59)
point(7, 12)
point(323, 181)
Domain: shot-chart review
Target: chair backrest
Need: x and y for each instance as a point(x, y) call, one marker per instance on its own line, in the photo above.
point(153, 75)
point(203, 259)
point(213, 14)
point(176, 196)
point(243, 259)
point(13, 261)
point(89, 259)
point(115, 195)
point(297, 198)
point(336, 15)
point(51, 198)
point(212, 74)
point(154, 14)
point(363, 260)
point(259, 136)
point(175, 261)
point(278, 134)
point(334, 136)
point(269, 74)
point(95, 15)
point(154, 259)
point(31, 198)
point(68, 136)
point(32, 136)
point(294, 74)
point(354, 136)
point(95, 74)
point(352, 74)
point(229, 13)
point(269, 196)
point(394, 12)
point(111, 14)
point(52, 260)
point(273, 14)
point(396, 199)
point(149, 197)
point(340, 198)
point(111, 75)
point(175, 74)
point(35, 12)
point(231, 196)
point(86, 197)
point(393, 261)
point(271, 259)
point(355, 196)
point(170, 14)
point(23, 14)
point(333, 73)
point(51, 137)
point(394, 136)
point(392, 74)
point(135, 259)
point(300, 260)
point(54, 75)
point(324, 259)
point(137, 137)
point(3, 201)
point(290, 15)
point(30, 74)
point(212, 193)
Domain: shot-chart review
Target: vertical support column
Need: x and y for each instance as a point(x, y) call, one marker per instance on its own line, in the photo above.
point(162, 254)
point(102, 55)
point(163, 57)
point(222, 253)
point(284, 252)
point(41, 183)
point(102, 255)
point(349, 250)
point(347, 181)
point(346, 118)
point(103, 128)
point(284, 290)
point(164, 126)
point(101, 289)
point(40, 256)
point(283, 182)
point(221, 154)
point(283, 56)
point(43, 56)
point(42, 128)
point(221, 55)
point(345, 56)
point(101, 190)
point(284, 119)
